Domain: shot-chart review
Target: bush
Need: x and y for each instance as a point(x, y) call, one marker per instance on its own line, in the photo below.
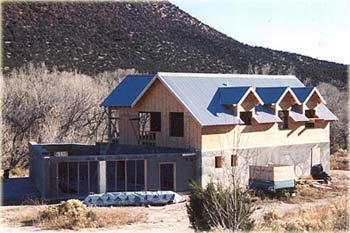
point(330, 217)
point(72, 214)
point(219, 207)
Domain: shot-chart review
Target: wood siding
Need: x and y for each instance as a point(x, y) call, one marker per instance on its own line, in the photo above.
point(262, 135)
point(159, 99)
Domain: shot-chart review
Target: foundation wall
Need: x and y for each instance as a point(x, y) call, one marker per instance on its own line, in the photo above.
point(301, 156)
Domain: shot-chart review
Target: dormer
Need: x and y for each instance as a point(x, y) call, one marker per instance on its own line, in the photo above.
point(242, 100)
point(310, 97)
point(280, 100)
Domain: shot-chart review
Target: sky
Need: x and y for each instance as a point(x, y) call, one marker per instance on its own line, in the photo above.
point(316, 28)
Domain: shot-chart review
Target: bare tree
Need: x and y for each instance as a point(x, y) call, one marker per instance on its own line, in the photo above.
point(52, 107)
point(337, 102)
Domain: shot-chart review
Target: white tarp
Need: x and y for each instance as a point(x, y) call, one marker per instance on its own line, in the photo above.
point(133, 198)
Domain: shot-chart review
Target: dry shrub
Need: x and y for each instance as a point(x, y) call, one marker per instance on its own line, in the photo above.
point(340, 161)
point(71, 214)
point(305, 190)
point(270, 217)
point(330, 217)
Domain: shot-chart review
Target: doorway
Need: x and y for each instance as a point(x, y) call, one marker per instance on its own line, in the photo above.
point(167, 176)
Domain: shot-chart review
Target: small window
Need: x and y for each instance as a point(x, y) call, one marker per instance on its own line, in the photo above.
point(234, 160)
point(177, 124)
point(309, 125)
point(311, 113)
point(218, 162)
point(246, 117)
point(283, 115)
point(156, 124)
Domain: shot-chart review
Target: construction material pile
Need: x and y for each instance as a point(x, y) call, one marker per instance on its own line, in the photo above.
point(133, 198)
point(318, 173)
point(71, 214)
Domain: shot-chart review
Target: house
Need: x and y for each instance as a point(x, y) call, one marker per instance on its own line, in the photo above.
point(169, 128)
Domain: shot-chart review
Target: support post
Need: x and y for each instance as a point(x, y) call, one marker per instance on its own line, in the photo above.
point(102, 178)
point(109, 124)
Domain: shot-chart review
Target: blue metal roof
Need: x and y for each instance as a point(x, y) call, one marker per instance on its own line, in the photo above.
point(265, 115)
point(127, 91)
point(231, 95)
point(324, 113)
point(270, 95)
point(302, 92)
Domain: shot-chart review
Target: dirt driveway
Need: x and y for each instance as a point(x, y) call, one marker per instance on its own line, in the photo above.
point(173, 218)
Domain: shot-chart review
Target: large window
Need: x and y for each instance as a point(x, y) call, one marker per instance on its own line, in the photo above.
point(283, 115)
point(177, 124)
point(246, 117)
point(125, 175)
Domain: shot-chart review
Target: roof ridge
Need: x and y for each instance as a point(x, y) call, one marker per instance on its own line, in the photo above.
point(181, 74)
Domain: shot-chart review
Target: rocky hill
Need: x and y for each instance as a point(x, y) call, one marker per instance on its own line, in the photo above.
point(96, 37)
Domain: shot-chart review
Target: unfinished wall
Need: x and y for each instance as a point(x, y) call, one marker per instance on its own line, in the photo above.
point(159, 99)
point(298, 155)
point(262, 135)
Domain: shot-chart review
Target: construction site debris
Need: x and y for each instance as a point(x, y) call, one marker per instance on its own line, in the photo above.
point(133, 198)
point(318, 173)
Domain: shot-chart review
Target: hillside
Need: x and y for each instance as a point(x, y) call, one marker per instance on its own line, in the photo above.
point(151, 37)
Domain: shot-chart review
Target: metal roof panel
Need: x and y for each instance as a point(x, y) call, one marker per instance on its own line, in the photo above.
point(265, 115)
point(324, 113)
point(128, 90)
point(199, 92)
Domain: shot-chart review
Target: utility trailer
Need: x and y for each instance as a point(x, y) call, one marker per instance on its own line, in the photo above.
point(272, 179)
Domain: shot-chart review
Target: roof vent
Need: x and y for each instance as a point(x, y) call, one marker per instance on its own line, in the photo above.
point(225, 84)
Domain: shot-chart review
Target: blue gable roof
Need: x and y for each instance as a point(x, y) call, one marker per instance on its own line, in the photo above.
point(127, 91)
point(231, 95)
point(270, 95)
point(302, 92)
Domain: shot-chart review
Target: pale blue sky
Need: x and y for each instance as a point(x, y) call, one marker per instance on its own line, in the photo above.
point(317, 28)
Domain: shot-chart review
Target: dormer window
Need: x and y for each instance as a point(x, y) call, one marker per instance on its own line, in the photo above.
point(246, 117)
point(283, 115)
point(311, 113)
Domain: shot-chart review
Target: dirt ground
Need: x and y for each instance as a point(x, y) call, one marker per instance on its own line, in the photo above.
point(173, 218)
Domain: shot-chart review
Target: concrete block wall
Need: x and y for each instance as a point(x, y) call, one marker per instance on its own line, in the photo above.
point(298, 155)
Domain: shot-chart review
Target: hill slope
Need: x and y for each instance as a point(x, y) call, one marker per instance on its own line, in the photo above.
point(151, 37)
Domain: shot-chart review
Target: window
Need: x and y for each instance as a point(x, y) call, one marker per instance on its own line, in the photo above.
point(156, 124)
point(218, 162)
point(283, 115)
point(311, 113)
point(234, 160)
point(246, 117)
point(309, 125)
point(150, 121)
point(177, 124)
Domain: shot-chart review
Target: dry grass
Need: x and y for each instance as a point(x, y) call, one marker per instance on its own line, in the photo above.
point(116, 216)
point(330, 217)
